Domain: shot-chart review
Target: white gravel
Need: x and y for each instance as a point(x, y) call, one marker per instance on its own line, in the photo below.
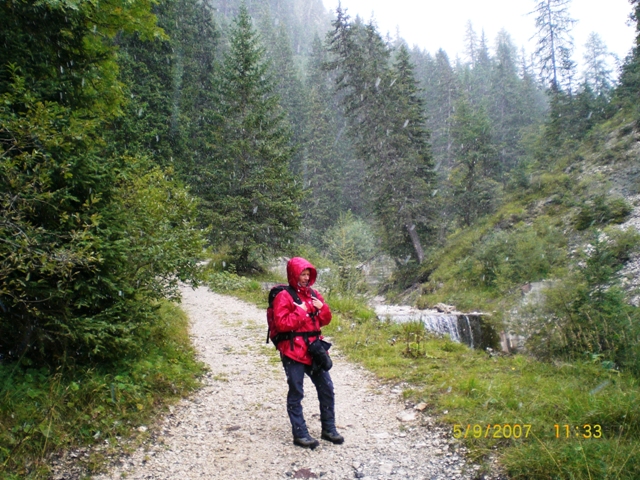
point(236, 426)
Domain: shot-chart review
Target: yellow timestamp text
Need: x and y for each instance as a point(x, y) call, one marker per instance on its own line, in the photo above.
point(586, 430)
point(498, 430)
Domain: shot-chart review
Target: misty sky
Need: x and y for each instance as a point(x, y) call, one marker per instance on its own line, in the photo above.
point(441, 23)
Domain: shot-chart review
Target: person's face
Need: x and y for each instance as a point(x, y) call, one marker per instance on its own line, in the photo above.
point(304, 277)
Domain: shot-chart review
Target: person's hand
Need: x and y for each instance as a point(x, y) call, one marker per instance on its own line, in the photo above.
point(317, 303)
point(302, 305)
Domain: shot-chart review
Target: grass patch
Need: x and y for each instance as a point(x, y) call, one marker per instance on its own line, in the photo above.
point(468, 387)
point(43, 412)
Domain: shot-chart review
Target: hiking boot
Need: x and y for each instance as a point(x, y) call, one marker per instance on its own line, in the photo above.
point(306, 442)
point(333, 437)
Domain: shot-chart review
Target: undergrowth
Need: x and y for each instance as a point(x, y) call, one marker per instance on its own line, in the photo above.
point(475, 392)
point(43, 412)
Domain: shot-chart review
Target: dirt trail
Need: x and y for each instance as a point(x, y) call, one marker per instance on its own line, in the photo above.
point(236, 427)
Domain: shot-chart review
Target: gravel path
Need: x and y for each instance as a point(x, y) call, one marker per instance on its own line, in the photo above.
point(236, 426)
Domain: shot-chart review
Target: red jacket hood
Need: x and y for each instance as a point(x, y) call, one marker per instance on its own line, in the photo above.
point(295, 267)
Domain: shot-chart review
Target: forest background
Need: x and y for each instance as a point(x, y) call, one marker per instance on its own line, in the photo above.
point(136, 135)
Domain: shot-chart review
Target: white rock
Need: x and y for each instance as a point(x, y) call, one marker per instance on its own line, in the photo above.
point(407, 416)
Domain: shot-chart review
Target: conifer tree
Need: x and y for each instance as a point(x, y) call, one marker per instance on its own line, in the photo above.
point(473, 188)
point(250, 197)
point(166, 82)
point(629, 86)
point(506, 107)
point(597, 72)
point(330, 185)
point(471, 44)
point(89, 237)
point(554, 40)
point(386, 119)
point(444, 90)
point(289, 86)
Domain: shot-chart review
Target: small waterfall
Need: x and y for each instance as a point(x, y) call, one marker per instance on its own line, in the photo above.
point(441, 323)
point(471, 329)
point(466, 317)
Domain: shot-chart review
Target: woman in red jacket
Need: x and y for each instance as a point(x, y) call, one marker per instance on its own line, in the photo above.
point(308, 316)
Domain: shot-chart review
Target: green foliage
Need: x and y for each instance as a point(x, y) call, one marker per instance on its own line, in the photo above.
point(224, 282)
point(387, 124)
point(330, 186)
point(250, 197)
point(89, 246)
point(166, 85)
point(349, 243)
point(350, 307)
point(473, 188)
point(627, 91)
point(587, 315)
point(43, 411)
point(482, 268)
point(69, 58)
point(89, 238)
point(509, 258)
point(602, 210)
point(414, 336)
point(350, 240)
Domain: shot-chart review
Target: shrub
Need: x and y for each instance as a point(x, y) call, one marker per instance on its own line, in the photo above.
point(223, 282)
point(507, 258)
point(602, 210)
point(587, 315)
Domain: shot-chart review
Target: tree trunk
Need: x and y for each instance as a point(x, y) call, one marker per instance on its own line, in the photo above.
point(416, 242)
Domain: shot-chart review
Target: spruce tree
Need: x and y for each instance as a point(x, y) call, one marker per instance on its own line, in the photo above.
point(473, 188)
point(554, 40)
point(166, 84)
point(597, 72)
point(629, 87)
point(250, 197)
point(444, 91)
point(386, 120)
point(89, 238)
point(327, 178)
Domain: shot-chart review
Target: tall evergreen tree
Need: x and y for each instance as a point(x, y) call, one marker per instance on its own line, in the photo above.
point(506, 108)
point(473, 188)
point(166, 81)
point(88, 236)
point(628, 90)
point(597, 72)
point(289, 86)
point(471, 44)
point(444, 91)
point(386, 115)
point(554, 40)
point(251, 199)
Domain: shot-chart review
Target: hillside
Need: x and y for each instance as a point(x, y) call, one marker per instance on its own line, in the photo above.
point(571, 226)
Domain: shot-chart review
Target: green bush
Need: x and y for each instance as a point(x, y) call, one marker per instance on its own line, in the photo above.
point(587, 315)
point(602, 210)
point(89, 238)
point(508, 258)
point(349, 243)
point(45, 410)
point(223, 282)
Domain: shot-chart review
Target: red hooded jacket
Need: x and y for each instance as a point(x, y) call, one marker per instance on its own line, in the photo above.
point(291, 317)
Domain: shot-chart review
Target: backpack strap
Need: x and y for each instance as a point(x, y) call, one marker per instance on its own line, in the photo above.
point(291, 335)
